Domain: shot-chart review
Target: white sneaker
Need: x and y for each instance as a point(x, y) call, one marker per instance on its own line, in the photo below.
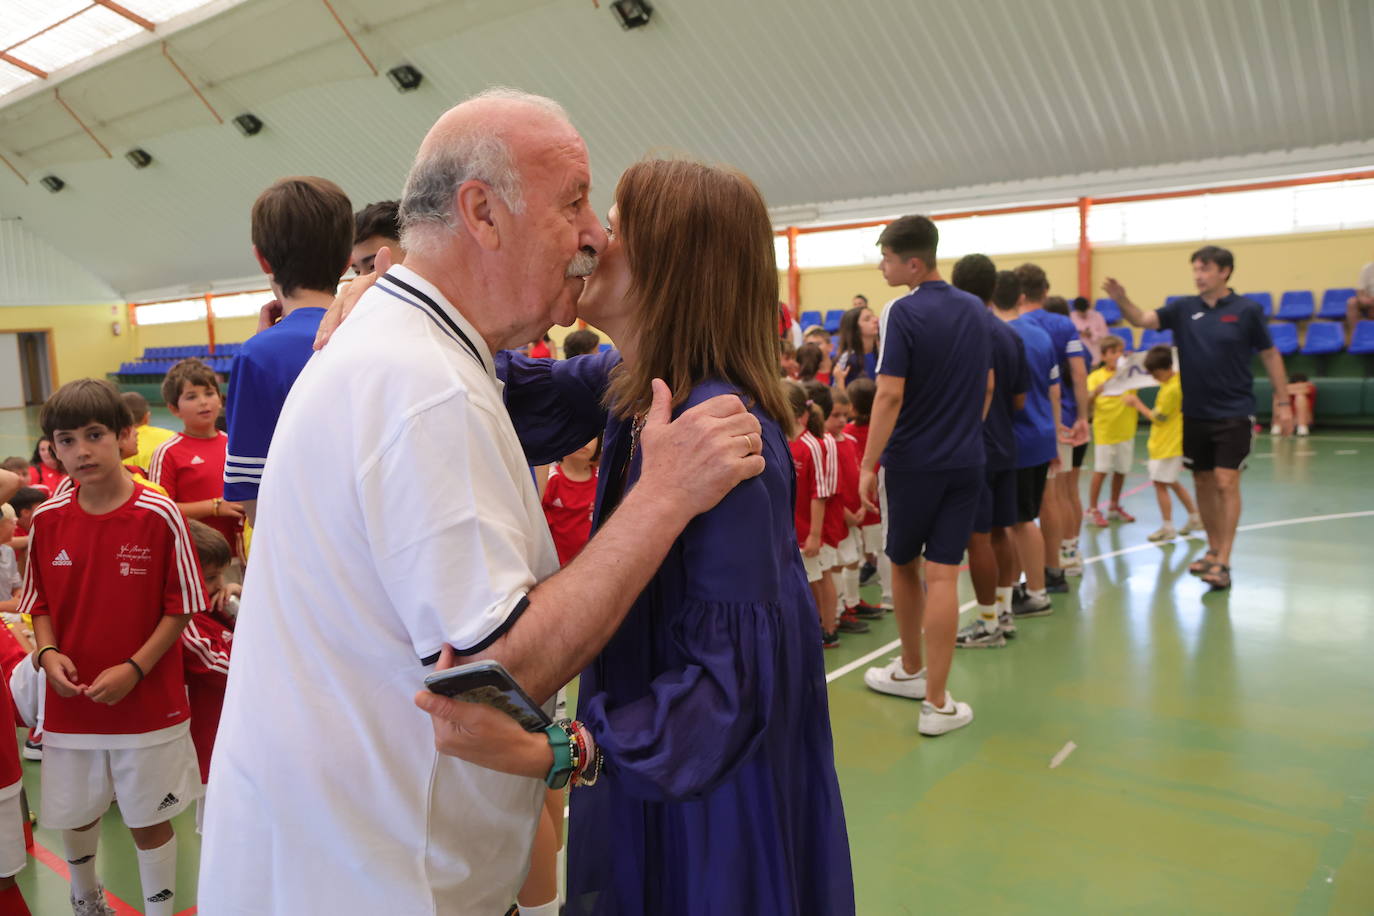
point(1071, 562)
point(1165, 533)
point(1194, 524)
point(892, 678)
point(1303, 430)
point(1276, 430)
point(1007, 622)
point(94, 905)
point(940, 721)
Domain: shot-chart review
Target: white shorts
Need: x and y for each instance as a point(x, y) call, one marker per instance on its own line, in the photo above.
point(154, 784)
point(13, 855)
point(849, 551)
point(820, 564)
point(1065, 456)
point(28, 689)
point(1114, 459)
point(1166, 470)
point(872, 538)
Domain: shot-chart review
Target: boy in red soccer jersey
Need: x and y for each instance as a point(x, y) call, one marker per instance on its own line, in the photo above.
point(190, 465)
point(861, 392)
point(568, 498)
point(851, 549)
point(112, 581)
point(205, 644)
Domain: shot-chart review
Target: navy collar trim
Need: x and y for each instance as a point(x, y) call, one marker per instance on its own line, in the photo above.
point(434, 313)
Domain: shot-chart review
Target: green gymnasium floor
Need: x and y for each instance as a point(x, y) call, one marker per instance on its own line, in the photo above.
point(1222, 746)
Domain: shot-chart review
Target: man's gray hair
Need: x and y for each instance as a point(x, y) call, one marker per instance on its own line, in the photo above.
point(479, 153)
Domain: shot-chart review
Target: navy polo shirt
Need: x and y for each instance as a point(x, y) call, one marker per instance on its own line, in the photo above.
point(1215, 345)
point(1013, 378)
point(1068, 346)
point(937, 338)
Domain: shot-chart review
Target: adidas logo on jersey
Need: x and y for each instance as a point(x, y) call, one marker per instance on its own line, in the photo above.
point(557, 503)
point(161, 896)
point(62, 559)
point(197, 460)
point(168, 802)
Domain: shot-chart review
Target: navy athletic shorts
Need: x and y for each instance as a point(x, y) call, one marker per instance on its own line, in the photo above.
point(997, 506)
point(931, 512)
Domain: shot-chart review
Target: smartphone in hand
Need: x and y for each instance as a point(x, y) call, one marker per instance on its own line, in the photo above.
point(488, 682)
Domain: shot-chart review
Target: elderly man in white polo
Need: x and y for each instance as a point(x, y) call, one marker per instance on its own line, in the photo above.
point(399, 517)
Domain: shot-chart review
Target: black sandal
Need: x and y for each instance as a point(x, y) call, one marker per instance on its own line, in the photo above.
point(1218, 576)
point(1200, 567)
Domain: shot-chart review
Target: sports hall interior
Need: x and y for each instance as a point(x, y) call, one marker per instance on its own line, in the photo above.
point(1151, 747)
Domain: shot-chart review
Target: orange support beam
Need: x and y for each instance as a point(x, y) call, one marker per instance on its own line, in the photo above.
point(357, 47)
point(23, 65)
point(182, 73)
point(126, 13)
point(210, 321)
point(57, 93)
point(1085, 250)
point(793, 274)
point(13, 169)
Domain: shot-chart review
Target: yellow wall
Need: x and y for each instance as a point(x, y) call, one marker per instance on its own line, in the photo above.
point(80, 335)
point(1312, 261)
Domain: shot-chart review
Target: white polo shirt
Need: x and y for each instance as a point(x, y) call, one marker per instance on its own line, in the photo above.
point(398, 514)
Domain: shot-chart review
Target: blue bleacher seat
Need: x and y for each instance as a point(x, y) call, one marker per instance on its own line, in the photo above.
point(1295, 305)
point(1323, 337)
point(1362, 341)
point(1152, 338)
point(807, 319)
point(1169, 300)
point(1109, 310)
point(1265, 300)
point(832, 320)
point(1127, 336)
point(1285, 337)
point(1333, 303)
point(603, 348)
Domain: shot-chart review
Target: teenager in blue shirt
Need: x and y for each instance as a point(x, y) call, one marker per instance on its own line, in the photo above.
point(1063, 512)
point(976, 275)
point(1216, 333)
point(302, 232)
point(859, 346)
point(935, 384)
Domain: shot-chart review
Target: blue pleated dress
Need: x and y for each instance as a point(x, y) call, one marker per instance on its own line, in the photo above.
point(719, 795)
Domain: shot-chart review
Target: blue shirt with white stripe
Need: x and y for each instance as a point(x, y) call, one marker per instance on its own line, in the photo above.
point(265, 370)
point(1068, 346)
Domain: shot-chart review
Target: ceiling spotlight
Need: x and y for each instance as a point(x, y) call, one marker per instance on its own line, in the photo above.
point(631, 14)
point(248, 124)
point(139, 158)
point(53, 183)
point(405, 77)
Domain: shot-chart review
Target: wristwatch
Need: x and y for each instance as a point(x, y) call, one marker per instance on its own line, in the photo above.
point(561, 743)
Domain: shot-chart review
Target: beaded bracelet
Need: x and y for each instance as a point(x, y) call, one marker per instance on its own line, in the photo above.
point(593, 759)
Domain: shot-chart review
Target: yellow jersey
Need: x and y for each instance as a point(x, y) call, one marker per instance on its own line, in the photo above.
point(1113, 420)
point(149, 438)
point(1166, 432)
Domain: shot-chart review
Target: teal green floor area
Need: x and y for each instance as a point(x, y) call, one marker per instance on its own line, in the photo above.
point(1220, 747)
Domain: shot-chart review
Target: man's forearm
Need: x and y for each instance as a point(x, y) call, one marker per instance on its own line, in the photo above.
point(880, 426)
point(1137, 315)
point(574, 613)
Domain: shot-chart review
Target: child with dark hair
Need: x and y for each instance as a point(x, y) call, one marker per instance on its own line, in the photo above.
point(851, 549)
point(787, 360)
point(821, 338)
point(580, 343)
point(861, 392)
point(834, 529)
point(111, 583)
point(858, 346)
point(149, 436)
point(815, 485)
point(568, 497)
point(44, 470)
point(1114, 426)
point(1166, 443)
point(810, 359)
point(190, 465)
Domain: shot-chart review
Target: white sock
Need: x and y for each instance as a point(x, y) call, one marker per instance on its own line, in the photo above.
point(1003, 599)
point(1068, 547)
point(1037, 594)
point(157, 871)
point(988, 613)
point(885, 577)
point(544, 909)
point(849, 581)
point(79, 848)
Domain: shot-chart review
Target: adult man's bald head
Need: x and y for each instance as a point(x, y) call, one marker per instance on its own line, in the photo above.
point(496, 208)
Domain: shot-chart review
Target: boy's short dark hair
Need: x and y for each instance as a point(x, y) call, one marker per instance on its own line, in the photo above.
point(1034, 283)
point(27, 498)
point(1057, 304)
point(82, 402)
point(211, 547)
point(1215, 254)
point(860, 296)
point(1159, 357)
point(16, 464)
point(861, 392)
point(303, 228)
point(189, 371)
point(911, 237)
point(137, 404)
point(976, 274)
point(1007, 291)
point(579, 343)
point(380, 219)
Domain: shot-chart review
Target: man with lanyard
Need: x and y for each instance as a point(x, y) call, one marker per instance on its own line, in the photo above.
point(1216, 332)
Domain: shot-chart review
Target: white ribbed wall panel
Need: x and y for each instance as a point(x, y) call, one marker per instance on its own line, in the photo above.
point(32, 272)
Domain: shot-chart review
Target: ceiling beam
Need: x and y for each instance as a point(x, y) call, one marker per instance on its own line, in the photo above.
point(57, 93)
point(23, 65)
point(127, 14)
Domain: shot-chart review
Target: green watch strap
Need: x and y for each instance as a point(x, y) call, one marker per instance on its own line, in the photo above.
point(562, 768)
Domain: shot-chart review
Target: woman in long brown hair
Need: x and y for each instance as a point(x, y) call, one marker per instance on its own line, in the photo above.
point(708, 706)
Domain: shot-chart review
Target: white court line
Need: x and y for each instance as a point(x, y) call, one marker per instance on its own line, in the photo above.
point(1064, 752)
point(841, 671)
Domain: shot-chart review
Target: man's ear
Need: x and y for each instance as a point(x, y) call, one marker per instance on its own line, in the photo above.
point(476, 208)
point(262, 262)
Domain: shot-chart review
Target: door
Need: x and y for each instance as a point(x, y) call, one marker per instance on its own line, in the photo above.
point(34, 366)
